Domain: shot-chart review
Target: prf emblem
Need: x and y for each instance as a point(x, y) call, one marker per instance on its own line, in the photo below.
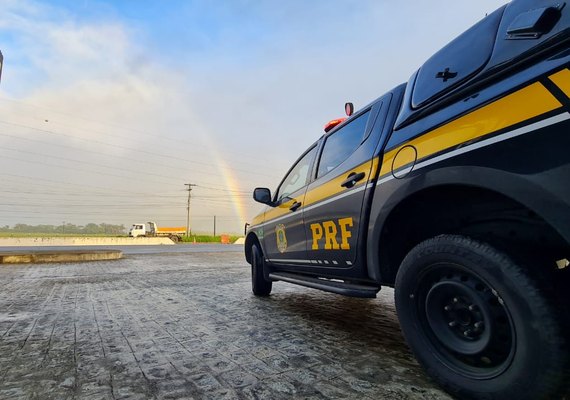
point(281, 238)
point(328, 230)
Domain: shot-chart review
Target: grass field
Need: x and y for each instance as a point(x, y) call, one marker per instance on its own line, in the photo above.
point(208, 239)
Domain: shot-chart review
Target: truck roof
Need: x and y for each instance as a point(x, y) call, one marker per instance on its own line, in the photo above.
point(502, 41)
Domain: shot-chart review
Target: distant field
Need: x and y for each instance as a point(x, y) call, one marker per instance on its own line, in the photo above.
point(191, 239)
point(25, 235)
point(208, 238)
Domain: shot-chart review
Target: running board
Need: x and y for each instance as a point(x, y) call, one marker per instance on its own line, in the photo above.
point(346, 289)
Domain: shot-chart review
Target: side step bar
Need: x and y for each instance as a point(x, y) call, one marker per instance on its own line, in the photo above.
point(346, 289)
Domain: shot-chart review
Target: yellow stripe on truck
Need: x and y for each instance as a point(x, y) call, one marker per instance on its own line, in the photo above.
point(517, 107)
point(282, 209)
point(562, 80)
point(321, 192)
point(171, 229)
point(524, 104)
point(258, 219)
point(332, 187)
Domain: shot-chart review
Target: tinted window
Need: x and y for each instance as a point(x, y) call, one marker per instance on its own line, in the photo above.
point(457, 61)
point(298, 177)
point(341, 144)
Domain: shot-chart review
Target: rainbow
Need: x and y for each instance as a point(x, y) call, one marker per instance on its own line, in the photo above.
point(233, 186)
point(231, 183)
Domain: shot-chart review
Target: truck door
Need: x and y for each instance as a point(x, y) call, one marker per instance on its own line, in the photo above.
point(284, 233)
point(334, 200)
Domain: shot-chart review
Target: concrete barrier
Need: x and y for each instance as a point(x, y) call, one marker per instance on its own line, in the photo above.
point(83, 241)
point(14, 257)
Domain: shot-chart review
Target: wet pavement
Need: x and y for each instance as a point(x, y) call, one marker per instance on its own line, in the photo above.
point(186, 326)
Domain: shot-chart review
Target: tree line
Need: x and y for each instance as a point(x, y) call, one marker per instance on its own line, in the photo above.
point(67, 228)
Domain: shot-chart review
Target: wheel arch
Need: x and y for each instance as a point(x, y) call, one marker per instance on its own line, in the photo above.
point(420, 211)
point(250, 240)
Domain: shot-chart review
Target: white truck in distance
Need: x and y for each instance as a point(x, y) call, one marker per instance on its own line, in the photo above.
point(150, 229)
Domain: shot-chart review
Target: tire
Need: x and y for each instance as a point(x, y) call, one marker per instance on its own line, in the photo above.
point(478, 323)
point(259, 286)
point(174, 238)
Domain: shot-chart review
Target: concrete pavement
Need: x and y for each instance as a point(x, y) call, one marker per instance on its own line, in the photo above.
point(83, 241)
point(186, 326)
point(46, 256)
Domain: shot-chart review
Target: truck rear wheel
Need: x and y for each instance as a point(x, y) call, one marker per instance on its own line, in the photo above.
point(478, 323)
point(259, 286)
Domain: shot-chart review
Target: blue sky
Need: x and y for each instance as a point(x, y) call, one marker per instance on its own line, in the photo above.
point(108, 107)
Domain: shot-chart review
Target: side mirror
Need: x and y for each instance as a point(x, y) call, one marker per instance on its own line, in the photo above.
point(262, 195)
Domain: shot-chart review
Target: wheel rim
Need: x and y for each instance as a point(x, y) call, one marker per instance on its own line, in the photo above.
point(466, 320)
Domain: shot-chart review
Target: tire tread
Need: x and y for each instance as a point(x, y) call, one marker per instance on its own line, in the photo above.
point(552, 385)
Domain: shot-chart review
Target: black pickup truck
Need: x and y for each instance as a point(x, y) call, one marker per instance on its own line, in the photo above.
point(455, 190)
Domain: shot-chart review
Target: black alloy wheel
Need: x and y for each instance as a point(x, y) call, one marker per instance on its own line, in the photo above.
point(478, 323)
point(468, 318)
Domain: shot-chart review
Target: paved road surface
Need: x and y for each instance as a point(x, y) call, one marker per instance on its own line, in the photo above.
point(186, 326)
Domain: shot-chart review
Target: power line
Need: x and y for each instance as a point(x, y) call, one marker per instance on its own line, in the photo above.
point(84, 162)
point(154, 154)
point(100, 191)
point(154, 164)
point(190, 186)
point(226, 190)
point(73, 116)
point(98, 153)
point(52, 181)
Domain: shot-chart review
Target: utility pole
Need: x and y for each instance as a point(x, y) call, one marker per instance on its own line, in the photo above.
point(190, 186)
point(214, 225)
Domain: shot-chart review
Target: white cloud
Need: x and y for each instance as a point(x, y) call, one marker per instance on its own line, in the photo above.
point(159, 119)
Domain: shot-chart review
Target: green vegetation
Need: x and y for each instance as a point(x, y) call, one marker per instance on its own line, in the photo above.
point(208, 239)
point(91, 229)
point(48, 235)
point(102, 230)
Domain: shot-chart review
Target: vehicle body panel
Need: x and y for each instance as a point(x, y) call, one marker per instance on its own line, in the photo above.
point(507, 135)
point(459, 182)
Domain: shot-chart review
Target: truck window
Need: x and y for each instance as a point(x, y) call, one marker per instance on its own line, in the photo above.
point(342, 144)
point(298, 177)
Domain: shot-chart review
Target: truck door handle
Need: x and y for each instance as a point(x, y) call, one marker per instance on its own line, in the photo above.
point(295, 206)
point(352, 178)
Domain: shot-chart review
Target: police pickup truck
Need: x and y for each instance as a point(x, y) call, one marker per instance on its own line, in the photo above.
point(455, 190)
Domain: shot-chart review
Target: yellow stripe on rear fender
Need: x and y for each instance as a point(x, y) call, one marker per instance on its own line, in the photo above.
point(562, 80)
point(524, 104)
point(512, 109)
